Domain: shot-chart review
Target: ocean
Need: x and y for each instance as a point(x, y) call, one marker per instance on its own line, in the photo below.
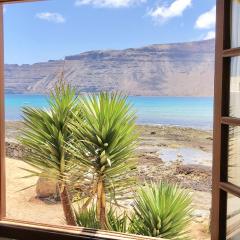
point(195, 112)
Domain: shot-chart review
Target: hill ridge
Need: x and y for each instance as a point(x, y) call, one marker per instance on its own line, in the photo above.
point(175, 69)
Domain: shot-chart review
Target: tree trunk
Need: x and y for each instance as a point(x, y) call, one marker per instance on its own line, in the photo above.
point(101, 204)
point(66, 204)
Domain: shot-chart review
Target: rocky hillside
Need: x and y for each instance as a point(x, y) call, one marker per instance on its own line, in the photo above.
point(182, 69)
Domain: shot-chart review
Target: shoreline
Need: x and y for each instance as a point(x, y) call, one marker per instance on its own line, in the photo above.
point(9, 122)
point(176, 126)
point(149, 125)
point(182, 155)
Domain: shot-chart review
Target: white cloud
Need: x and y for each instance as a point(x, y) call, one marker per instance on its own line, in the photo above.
point(175, 9)
point(207, 20)
point(51, 17)
point(209, 35)
point(109, 3)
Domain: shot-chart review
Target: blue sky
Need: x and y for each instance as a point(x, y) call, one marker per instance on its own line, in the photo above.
point(41, 31)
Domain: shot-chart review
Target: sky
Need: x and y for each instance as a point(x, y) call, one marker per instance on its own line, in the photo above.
point(50, 30)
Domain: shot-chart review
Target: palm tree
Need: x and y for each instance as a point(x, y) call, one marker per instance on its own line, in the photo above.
point(104, 143)
point(46, 133)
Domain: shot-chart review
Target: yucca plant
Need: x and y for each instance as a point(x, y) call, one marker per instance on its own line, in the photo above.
point(161, 210)
point(46, 133)
point(115, 221)
point(104, 143)
point(87, 218)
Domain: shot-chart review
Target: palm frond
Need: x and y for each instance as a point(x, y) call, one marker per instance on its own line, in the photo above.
point(105, 139)
point(46, 132)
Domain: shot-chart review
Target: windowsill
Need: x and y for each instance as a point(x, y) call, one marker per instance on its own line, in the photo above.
point(9, 227)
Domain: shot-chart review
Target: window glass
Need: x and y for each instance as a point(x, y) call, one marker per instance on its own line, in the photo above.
point(234, 108)
point(234, 155)
point(233, 217)
point(235, 24)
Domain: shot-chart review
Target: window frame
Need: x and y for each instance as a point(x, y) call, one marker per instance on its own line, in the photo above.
point(28, 230)
point(222, 121)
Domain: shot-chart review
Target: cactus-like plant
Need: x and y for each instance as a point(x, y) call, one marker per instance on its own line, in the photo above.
point(115, 221)
point(104, 143)
point(161, 210)
point(46, 133)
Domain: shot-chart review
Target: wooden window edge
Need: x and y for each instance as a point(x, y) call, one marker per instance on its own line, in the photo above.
point(232, 52)
point(231, 121)
point(222, 43)
point(24, 230)
point(222, 121)
point(230, 188)
point(18, 1)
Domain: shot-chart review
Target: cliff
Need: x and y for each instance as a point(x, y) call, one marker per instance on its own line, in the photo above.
point(181, 69)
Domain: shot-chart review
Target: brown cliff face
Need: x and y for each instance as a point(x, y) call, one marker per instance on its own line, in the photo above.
point(181, 69)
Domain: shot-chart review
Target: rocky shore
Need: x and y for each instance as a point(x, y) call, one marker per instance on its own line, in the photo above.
point(153, 141)
point(173, 154)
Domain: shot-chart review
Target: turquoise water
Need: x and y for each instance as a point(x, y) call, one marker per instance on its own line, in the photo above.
point(194, 112)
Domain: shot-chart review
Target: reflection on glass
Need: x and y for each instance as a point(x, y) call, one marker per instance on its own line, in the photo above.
point(235, 87)
point(233, 218)
point(235, 24)
point(234, 155)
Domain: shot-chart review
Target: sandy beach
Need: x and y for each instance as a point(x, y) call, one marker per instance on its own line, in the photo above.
point(174, 154)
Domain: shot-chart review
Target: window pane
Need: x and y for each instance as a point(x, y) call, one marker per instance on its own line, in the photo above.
point(235, 87)
point(233, 218)
point(170, 87)
point(235, 32)
point(234, 155)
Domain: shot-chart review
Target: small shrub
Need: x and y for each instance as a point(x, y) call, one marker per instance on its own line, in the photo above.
point(87, 218)
point(161, 210)
point(115, 221)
